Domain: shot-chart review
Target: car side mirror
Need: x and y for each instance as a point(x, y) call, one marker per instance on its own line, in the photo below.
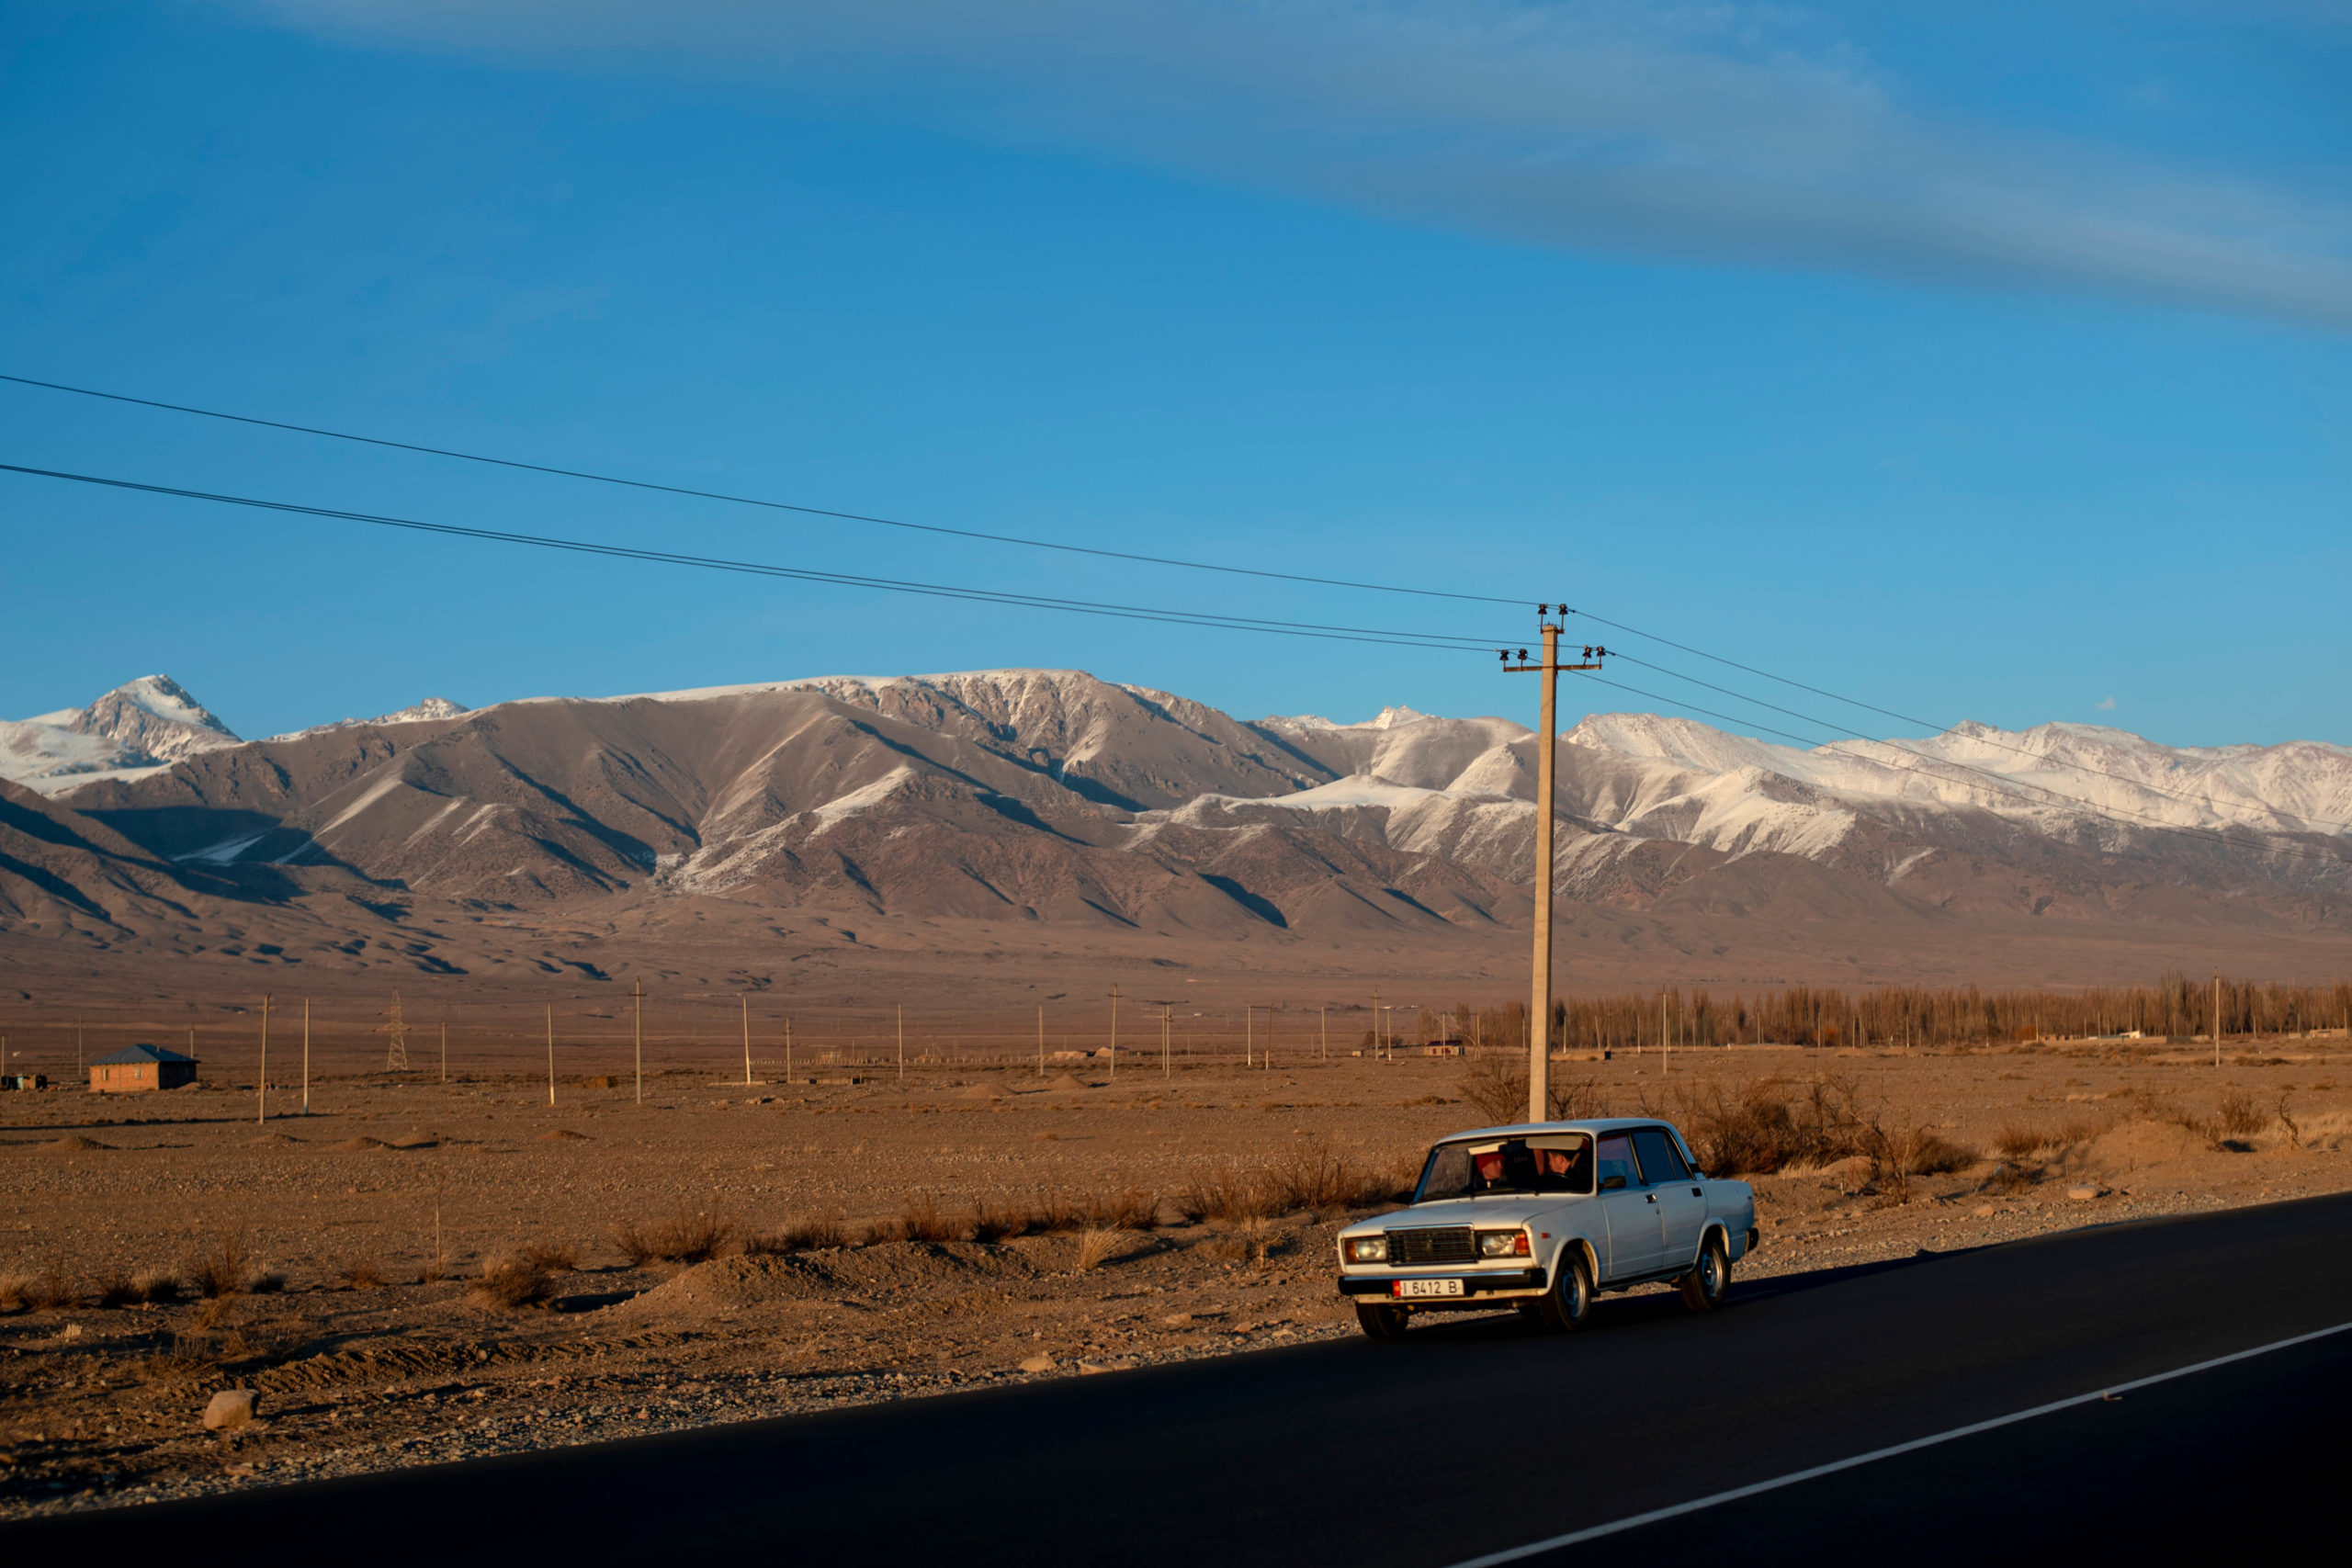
point(1611, 1184)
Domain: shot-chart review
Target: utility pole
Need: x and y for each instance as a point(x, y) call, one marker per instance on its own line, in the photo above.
point(1041, 1040)
point(1539, 1014)
point(902, 1043)
point(1115, 1032)
point(636, 991)
point(1248, 1035)
point(1375, 1025)
point(1323, 1051)
point(787, 1049)
point(445, 1050)
point(2217, 1018)
point(747, 1041)
point(306, 1056)
point(263, 1087)
point(1167, 1023)
point(550, 1052)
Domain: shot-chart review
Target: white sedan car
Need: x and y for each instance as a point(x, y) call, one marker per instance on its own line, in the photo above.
point(1544, 1215)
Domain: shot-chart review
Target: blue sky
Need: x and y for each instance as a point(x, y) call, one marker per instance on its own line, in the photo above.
point(1990, 362)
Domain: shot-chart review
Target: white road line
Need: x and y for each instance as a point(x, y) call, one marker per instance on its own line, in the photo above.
point(1636, 1521)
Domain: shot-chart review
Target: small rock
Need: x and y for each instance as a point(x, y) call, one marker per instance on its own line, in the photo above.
point(1038, 1364)
point(229, 1409)
point(1984, 1211)
point(1177, 1319)
point(1089, 1368)
point(2085, 1194)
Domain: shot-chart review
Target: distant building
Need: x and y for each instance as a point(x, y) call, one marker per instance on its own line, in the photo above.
point(140, 1068)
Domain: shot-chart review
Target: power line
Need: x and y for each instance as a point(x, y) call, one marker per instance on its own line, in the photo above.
point(748, 500)
point(1439, 641)
point(803, 510)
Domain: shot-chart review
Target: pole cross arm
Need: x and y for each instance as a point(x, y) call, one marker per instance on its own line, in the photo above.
point(1538, 669)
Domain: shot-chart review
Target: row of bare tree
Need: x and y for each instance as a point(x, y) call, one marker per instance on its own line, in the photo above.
point(2175, 1005)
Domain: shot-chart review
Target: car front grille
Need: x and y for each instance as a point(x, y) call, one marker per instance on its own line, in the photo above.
point(1433, 1243)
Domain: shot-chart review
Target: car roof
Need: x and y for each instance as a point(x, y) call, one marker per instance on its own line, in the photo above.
point(1589, 1124)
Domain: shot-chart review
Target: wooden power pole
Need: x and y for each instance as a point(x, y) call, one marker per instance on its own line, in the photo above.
point(1547, 742)
point(637, 993)
point(263, 1114)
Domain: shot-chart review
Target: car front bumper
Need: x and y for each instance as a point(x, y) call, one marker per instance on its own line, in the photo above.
point(1480, 1282)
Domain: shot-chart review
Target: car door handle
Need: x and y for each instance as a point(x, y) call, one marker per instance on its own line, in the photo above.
point(1653, 1197)
point(1696, 1193)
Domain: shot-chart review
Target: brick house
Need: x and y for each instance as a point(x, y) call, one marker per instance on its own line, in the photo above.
point(140, 1068)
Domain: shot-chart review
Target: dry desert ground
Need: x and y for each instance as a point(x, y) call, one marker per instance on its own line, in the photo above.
point(416, 1272)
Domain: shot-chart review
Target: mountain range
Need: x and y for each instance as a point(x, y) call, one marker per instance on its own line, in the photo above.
point(1079, 811)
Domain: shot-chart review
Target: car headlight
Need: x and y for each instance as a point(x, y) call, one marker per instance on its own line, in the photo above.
point(1502, 1244)
point(1367, 1249)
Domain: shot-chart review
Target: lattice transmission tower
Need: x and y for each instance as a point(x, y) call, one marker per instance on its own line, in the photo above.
point(396, 1033)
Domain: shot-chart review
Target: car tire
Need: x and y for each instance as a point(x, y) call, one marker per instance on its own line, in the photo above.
point(1568, 1305)
point(1380, 1322)
point(1709, 1282)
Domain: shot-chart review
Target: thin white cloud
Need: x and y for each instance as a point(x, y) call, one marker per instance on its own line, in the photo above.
point(1743, 132)
point(2107, 706)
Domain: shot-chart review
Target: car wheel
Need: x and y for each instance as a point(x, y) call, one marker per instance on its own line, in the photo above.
point(1381, 1322)
point(1709, 1282)
point(1568, 1305)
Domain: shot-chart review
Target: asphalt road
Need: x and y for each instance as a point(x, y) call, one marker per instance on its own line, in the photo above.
point(1479, 1436)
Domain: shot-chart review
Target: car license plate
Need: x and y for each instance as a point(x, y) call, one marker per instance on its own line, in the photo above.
point(1429, 1287)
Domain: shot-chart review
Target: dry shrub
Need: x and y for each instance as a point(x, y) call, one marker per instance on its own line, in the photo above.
point(923, 1220)
point(222, 1271)
point(992, 1222)
point(268, 1281)
point(49, 1291)
point(516, 1281)
point(1232, 1249)
point(12, 1292)
point(1771, 1123)
point(156, 1285)
point(800, 1235)
point(1496, 1085)
point(114, 1288)
point(1055, 1212)
point(1314, 1176)
point(552, 1257)
point(2008, 1178)
point(2017, 1143)
point(2240, 1117)
point(685, 1238)
point(1097, 1245)
point(362, 1274)
point(1229, 1199)
point(1133, 1210)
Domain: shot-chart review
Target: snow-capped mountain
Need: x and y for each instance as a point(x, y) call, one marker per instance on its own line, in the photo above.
point(139, 727)
point(415, 713)
point(1037, 795)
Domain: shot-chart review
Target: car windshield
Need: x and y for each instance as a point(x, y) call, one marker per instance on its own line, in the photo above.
point(1540, 1162)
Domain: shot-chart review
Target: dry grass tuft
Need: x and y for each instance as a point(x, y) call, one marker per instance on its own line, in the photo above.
point(2016, 1142)
point(49, 1291)
point(362, 1274)
point(551, 1256)
point(801, 1235)
point(156, 1285)
point(516, 1281)
point(1097, 1245)
point(992, 1222)
point(1133, 1210)
point(220, 1272)
point(114, 1288)
point(685, 1238)
point(923, 1220)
